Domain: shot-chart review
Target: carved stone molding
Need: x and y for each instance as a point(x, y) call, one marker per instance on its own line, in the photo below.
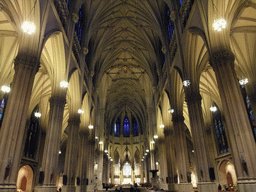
point(74, 120)
point(168, 132)
point(177, 118)
point(58, 100)
point(75, 17)
point(26, 60)
point(222, 58)
point(193, 97)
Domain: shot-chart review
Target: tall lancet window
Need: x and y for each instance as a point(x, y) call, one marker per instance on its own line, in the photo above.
point(221, 139)
point(135, 127)
point(249, 111)
point(126, 127)
point(79, 26)
point(32, 136)
point(117, 128)
point(2, 108)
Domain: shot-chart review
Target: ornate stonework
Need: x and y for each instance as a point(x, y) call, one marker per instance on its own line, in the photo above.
point(222, 58)
point(177, 118)
point(58, 100)
point(193, 97)
point(26, 60)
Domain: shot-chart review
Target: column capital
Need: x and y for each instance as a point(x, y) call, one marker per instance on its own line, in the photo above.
point(168, 132)
point(84, 133)
point(177, 118)
point(58, 100)
point(192, 96)
point(26, 60)
point(74, 120)
point(222, 58)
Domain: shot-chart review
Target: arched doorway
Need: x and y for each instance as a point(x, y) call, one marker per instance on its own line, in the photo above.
point(227, 175)
point(25, 179)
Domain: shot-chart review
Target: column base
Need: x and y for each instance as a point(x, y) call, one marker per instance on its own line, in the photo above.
point(8, 188)
point(90, 188)
point(246, 185)
point(45, 188)
point(68, 188)
point(173, 187)
point(207, 186)
point(163, 186)
point(185, 187)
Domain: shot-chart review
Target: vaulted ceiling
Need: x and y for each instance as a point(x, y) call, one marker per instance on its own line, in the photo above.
point(125, 39)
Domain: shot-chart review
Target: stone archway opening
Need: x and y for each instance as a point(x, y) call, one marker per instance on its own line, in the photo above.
point(227, 174)
point(25, 179)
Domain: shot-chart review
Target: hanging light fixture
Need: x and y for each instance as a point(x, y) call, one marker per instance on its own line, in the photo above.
point(147, 150)
point(101, 142)
point(171, 111)
point(155, 136)
point(38, 114)
point(64, 84)
point(219, 24)
point(96, 137)
point(186, 83)
point(243, 81)
point(28, 27)
point(161, 126)
point(90, 126)
point(80, 111)
point(213, 108)
point(106, 151)
point(153, 142)
point(5, 89)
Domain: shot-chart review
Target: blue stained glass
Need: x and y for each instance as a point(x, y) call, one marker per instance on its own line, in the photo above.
point(117, 128)
point(180, 1)
point(79, 27)
point(249, 111)
point(170, 26)
point(220, 133)
point(135, 128)
point(126, 127)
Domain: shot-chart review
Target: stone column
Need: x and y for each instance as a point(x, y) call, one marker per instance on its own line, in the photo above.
point(197, 127)
point(52, 145)
point(83, 161)
point(170, 157)
point(141, 172)
point(14, 122)
point(90, 172)
point(238, 126)
point(181, 152)
point(71, 154)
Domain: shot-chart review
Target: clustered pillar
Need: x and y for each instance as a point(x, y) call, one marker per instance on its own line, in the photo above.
point(238, 126)
point(13, 129)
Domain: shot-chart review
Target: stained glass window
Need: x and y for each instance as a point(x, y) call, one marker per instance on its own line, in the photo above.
point(32, 136)
point(170, 25)
point(135, 127)
point(117, 128)
point(249, 111)
point(2, 109)
point(126, 127)
point(222, 143)
point(79, 26)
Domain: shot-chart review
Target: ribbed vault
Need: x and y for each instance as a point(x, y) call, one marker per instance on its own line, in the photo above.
point(124, 40)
